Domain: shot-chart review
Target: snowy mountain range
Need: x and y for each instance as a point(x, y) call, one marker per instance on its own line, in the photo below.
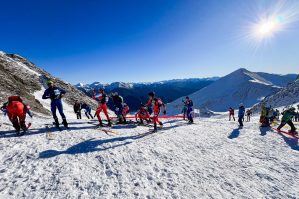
point(136, 93)
point(18, 76)
point(240, 86)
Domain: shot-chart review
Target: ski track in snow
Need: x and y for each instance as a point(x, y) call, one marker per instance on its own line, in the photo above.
point(210, 159)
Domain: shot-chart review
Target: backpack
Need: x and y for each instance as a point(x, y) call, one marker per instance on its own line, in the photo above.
point(15, 98)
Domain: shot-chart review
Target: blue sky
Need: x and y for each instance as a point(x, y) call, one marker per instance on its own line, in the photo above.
point(145, 40)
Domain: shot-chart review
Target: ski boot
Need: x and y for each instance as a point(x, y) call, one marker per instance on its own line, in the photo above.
point(161, 124)
point(65, 124)
point(109, 123)
point(293, 132)
point(24, 127)
point(17, 127)
point(100, 124)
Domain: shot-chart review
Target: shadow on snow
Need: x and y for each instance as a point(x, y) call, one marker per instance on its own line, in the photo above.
point(93, 145)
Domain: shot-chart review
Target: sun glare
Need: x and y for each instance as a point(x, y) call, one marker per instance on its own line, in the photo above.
point(266, 25)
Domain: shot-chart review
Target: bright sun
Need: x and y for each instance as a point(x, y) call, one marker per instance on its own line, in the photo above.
point(266, 28)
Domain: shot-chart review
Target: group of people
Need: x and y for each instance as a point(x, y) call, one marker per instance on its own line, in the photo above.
point(241, 114)
point(16, 110)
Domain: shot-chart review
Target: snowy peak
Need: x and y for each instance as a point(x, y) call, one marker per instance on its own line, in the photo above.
point(239, 86)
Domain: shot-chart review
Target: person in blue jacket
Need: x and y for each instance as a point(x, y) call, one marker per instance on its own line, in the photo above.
point(55, 94)
point(189, 104)
point(241, 114)
point(87, 109)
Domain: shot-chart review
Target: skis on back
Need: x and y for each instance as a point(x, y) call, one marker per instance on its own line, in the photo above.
point(285, 132)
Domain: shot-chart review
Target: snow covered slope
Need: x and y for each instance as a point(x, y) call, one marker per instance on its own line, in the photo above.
point(241, 86)
point(19, 76)
point(285, 97)
point(185, 162)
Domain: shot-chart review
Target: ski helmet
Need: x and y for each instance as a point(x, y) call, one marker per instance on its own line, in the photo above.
point(241, 104)
point(152, 94)
point(50, 82)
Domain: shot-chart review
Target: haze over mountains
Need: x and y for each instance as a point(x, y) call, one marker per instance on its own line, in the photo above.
point(136, 93)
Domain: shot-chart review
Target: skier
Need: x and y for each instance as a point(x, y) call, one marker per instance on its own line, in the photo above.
point(231, 113)
point(118, 102)
point(16, 112)
point(288, 114)
point(157, 104)
point(248, 114)
point(77, 109)
point(264, 120)
point(142, 114)
point(55, 94)
point(184, 109)
point(241, 115)
point(189, 104)
point(87, 110)
point(102, 99)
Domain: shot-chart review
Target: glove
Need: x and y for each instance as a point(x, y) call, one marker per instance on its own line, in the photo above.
point(164, 112)
point(116, 109)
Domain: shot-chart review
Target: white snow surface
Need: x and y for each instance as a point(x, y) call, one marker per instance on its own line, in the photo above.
point(209, 159)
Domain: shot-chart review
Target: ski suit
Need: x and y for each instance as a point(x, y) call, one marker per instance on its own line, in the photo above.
point(189, 104)
point(16, 112)
point(231, 112)
point(87, 110)
point(102, 99)
point(55, 93)
point(77, 110)
point(142, 114)
point(263, 118)
point(156, 103)
point(241, 115)
point(118, 104)
point(287, 119)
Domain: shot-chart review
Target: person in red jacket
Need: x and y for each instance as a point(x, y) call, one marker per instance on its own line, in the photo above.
point(142, 114)
point(157, 105)
point(16, 112)
point(102, 99)
point(231, 113)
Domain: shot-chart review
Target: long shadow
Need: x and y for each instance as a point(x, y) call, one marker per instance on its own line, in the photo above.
point(264, 130)
point(128, 126)
point(92, 145)
point(291, 141)
point(234, 134)
point(35, 131)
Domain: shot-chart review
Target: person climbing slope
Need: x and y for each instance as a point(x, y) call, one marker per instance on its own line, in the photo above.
point(77, 110)
point(142, 115)
point(184, 109)
point(231, 113)
point(157, 105)
point(16, 112)
point(241, 114)
point(118, 102)
point(102, 99)
point(55, 94)
point(288, 114)
point(87, 109)
point(189, 104)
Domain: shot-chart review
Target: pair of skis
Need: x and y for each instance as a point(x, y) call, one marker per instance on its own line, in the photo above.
point(285, 132)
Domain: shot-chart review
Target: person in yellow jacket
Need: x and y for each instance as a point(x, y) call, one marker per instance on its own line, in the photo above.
point(264, 120)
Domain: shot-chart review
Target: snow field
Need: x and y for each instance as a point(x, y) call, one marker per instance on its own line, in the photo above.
point(210, 159)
